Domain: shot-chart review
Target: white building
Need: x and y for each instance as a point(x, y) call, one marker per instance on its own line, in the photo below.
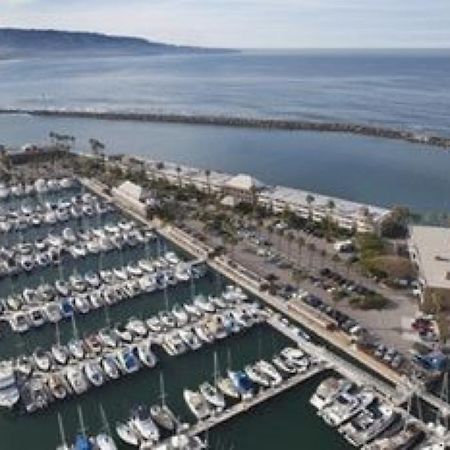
point(131, 196)
point(429, 248)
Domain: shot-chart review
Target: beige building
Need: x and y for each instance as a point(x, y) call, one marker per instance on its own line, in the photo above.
point(131, 196)
point(429, 248)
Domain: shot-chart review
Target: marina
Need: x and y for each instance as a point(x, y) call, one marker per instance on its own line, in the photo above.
point(136, 301)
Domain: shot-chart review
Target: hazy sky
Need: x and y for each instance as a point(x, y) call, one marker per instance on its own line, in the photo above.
point(247, 23)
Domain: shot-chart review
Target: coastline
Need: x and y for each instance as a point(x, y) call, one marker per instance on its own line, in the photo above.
point(243, 122)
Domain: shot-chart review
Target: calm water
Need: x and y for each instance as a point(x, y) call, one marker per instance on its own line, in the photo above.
point(377, 171)
point(291, 413)
point(409, 89)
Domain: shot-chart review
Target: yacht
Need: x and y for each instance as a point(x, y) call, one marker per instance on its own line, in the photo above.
point(284, 365)
point(94, 373)
point(141, 421)
point(137, 327)
point(53, 312)
point(327, 391)
point(19, 322)
point(24, 366)
point(76, 348)
point(180, 314)
point(104, 441)
point(92, 279)
point(197, 404)
point(269, 370)
point(368, 424)
point(9, 394)
point(228, 388)
point(204, 304)
point(346, 406)
point(190, 339)
point(154, 324)
point(257, 376)
point(57, 386)
point(108, 338)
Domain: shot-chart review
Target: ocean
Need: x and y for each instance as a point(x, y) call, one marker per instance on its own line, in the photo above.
point(408, 90)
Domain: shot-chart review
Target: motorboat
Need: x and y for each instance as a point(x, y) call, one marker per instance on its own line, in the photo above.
point(62, 287)
point(81, 303)
point(76, 348)
point(146, 265)
point(181, 315)
point(24, 366)
point(204, 333)
point(171, 258)
point(94, 373)
point(137, 327)
point(37, 317)
point(92, 279)
point(104, 441)
point(204, 304)
point(242, 383)
point(128, 434)
point(77, 283)
point(9, 394)
point(128, 362)
point(284, 365)
point(154, 324)
point(77, 379)
point(93, 344)
point(124, 334)
point(167, 319)
point(108, 338)
point(257, 376)
point(19, 322)
point(270, 371)
point(173, 344)
point(145, 354)
point(190, 339)
point(134, 270)
point(193, 310)
point(110, 367)
point(141, 421)
point(66, 308)
point(60, 354)
point(57, 386)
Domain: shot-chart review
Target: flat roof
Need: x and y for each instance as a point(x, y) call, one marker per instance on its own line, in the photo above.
point(342, 207)
point(432, 246)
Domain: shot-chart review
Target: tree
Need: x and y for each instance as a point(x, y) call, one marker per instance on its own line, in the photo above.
point(310, 200)
point(290, 238)
point(208, 181)
point(178, 170)
point(323, 255)
point(300, 244)
point(395, 225)
point(312, 249)
point(296, 276)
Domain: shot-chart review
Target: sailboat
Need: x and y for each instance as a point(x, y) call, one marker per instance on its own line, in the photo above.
point(161, 413)
point(62, 434)
point(103, 440)
point(210, 391)
point(226, 385)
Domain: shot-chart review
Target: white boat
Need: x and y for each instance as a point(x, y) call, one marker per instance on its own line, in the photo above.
point(269, 370)
point(42, 360)
point(81, 303)
point(60, 354)
point(104, 441)
point(197, 404)
point(181, 315)
point(190, 338)
point(257, 376)
point(62, 288)
point(76, 348)
point(57, 386)
point(142, 422)
point(146, 265)
point(37, 317)
point(94, 373)
point(202, 303)
point(172, 258)
point(128, 362)
point(92, 279)
point(127, 433)
point(137, 327)
point(9, 394)
point(284, 365)
point(110, 367)
point(212, 395)
point(77, 379)
point(19, 322)
point(327, 391)
point(145, 354)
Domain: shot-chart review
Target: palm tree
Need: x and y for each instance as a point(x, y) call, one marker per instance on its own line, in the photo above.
point(178, 170)
point(289, 237)
point(296, 276)
point(208, 181)
point(331, 205)
point(323, 255)
point(312, 249)
point(310, 200)
point(300, 244)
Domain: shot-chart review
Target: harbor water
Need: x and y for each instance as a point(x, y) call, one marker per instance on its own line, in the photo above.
point(288, 420)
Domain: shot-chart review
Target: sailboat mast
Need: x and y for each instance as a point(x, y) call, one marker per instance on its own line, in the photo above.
point(161, 387)
point(62, 433)
point(104, 420)
point(74, 327)
point(81, 419)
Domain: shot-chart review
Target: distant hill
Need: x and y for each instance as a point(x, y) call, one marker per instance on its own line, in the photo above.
point(16, 42)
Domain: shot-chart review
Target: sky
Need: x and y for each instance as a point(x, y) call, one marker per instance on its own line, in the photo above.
point(247, 23)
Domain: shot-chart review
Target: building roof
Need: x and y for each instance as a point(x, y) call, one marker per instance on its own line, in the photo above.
point(244, 182)
point(342, 207)
point(432, 248)
point(132, 190)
